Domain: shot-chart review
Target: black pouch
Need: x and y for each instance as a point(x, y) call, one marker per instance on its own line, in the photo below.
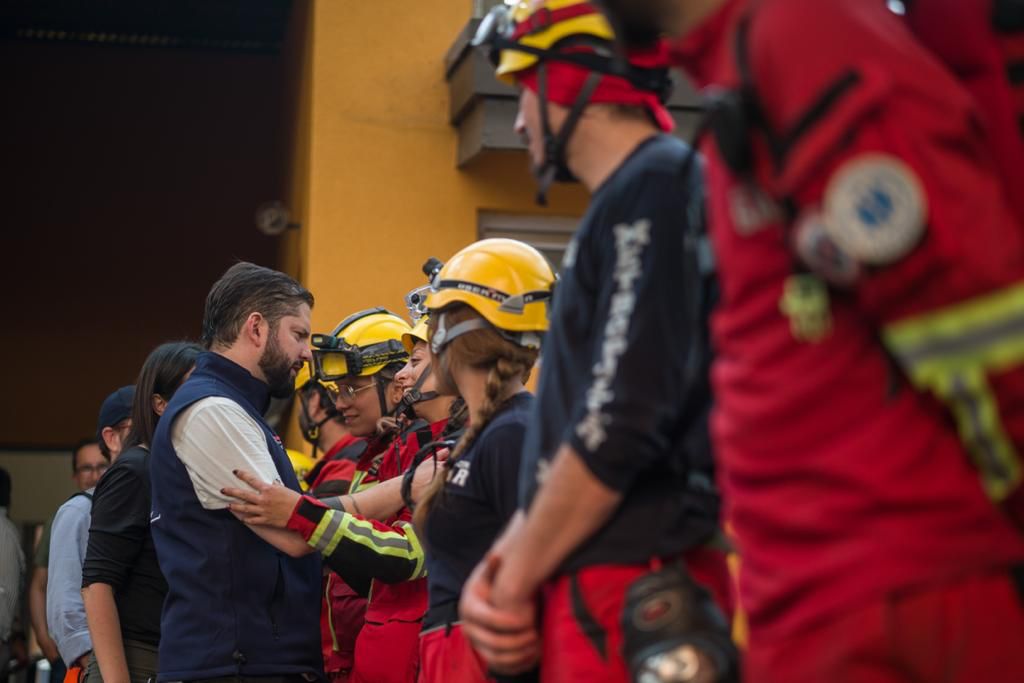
point(674, 632)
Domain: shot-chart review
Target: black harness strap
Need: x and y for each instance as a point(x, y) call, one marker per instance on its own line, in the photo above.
point(594, 632)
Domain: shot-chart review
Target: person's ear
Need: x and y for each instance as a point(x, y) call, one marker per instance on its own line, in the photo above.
point(256, 329)
point(159, 404)
point(394, 393)
point(112, 438)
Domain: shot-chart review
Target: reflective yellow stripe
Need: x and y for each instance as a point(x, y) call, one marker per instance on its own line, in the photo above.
point(950, 352)
point(981, 429)
point(417, 551)
point(318, 533)
point(338, 534)
point(330, 611)
point(390, 543)
point(986, 330)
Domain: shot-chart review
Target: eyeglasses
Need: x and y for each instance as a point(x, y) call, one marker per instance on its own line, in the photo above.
point(346, 393)
point(97, 469)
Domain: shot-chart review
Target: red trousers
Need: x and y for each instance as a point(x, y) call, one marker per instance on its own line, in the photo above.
point(971, 631)
point(568, 655)
point(387, 652)
point(449, 658)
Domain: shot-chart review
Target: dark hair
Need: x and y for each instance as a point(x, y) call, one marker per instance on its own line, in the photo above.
point(82, 444)
point(5, 488)
point(244, 289)
point(161, 374)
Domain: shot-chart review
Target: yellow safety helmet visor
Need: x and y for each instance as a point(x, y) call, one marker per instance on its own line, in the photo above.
point(360, 346)
point(517, 33)
point(306, 375)
point(508, 282)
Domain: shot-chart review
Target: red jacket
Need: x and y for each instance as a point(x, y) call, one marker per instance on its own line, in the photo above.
point(842, 483)
point(389, 553)
point(343, 610)
point(962, 35)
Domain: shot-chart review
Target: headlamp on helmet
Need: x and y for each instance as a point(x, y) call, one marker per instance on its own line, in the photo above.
point(416, 300)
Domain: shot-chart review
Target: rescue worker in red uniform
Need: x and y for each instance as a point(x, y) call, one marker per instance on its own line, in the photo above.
point(343, 610)
point(617, 499)
point(324, 427)
point(869, 263)
point(382, 549)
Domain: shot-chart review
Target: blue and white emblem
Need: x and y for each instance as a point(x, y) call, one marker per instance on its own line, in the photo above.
point(875, 209)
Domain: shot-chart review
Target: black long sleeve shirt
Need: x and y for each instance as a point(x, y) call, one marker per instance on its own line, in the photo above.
point(121, 552)
point(615, 382)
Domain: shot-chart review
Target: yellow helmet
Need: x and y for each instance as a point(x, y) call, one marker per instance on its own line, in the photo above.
point(361, 345)
point(541, 25)
point(508, 282)
point(418, 333)
point(305, 376)
point(302, 464)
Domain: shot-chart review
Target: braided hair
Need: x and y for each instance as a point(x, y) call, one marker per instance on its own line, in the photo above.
point(505, 362)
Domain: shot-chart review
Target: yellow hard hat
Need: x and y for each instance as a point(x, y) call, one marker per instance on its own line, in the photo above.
point(361, 345)
point(418, 333)
point(541, 25)
point(302, 464)
point(508, 282)
point(305, 376)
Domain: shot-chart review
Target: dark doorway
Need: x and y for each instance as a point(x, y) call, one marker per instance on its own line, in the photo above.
point(133, 164)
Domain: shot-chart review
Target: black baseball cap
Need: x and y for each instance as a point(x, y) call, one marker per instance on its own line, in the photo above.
point(115, 408)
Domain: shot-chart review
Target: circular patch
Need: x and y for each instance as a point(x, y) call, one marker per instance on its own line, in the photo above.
point(819, 252)
point(875, 209)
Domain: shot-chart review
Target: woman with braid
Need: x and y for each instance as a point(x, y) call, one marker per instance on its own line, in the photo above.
point(488, 311)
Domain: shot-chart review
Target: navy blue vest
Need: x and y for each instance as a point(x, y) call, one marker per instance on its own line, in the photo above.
point(235, 605)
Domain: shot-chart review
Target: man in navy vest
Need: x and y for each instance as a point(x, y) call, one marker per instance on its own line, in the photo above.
point(236, 607)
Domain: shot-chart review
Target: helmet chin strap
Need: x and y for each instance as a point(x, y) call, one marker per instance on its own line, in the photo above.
point(414, 396)
point(555, 166)
point(382, 397)
point(310, 429)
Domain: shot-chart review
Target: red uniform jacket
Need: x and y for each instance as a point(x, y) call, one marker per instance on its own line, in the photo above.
point(962, 35)
point(343, 610)
point(842, 483)
point(386, 552)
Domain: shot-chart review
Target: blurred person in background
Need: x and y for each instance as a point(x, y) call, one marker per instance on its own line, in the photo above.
point(123, 588)
point(87, 464)
point(65, 611)
point(12, 583)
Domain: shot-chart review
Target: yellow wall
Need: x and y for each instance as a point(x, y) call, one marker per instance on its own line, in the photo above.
point(383, 190)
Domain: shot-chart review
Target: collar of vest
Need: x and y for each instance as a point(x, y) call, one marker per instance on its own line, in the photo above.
point(256, 390)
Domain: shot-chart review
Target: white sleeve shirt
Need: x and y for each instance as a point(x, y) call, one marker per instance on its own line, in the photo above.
point(215, 436)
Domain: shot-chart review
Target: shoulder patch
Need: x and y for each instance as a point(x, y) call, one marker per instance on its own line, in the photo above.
point(819, 252)
point(875, 209)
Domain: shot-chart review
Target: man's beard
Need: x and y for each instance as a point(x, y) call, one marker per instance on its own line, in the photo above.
point(277, 368)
